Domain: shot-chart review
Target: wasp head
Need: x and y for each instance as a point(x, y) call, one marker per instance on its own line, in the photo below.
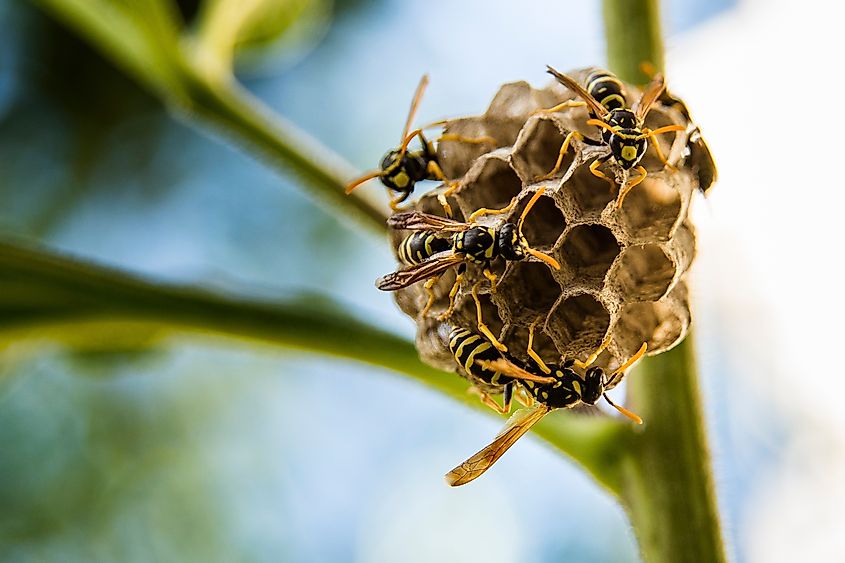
point(511, 243)
point(594, 383)
point(401, 170)
point(626, 141)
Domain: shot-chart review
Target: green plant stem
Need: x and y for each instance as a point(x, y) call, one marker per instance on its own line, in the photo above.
point(48, 296)
point(632, 29)
point(667, 485)
point(143, 38)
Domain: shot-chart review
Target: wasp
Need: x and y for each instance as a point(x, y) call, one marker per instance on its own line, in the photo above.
point(468, 243)
point(567, 390)
point(401, 168)
point(622, 128)
point(477, 356)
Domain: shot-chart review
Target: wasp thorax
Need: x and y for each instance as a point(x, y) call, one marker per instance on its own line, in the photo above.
point(622, 272)
point(593, 387)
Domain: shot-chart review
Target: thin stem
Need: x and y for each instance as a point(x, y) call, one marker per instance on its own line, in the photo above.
point(667, 484)
point(50, 296)
point(632, 29)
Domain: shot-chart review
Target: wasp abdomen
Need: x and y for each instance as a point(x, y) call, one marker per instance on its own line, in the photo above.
point(606, 89)
point(420, 246)
point(468, 347)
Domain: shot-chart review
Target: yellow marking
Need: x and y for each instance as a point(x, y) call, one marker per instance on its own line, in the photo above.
point(577, 387)
point(466, 341)
point(471, 359)
point(629, 152)
point(611, 97)
point(428, 244)
point(401, 180)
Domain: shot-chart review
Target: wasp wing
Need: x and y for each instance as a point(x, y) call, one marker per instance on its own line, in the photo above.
point(417, 221)
point(520, 423)
point(428, 269)
point(506, 367)
point(573, 85)
point(650, 95)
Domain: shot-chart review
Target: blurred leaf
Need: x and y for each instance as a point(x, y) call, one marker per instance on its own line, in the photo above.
point(44, 295)
point(250, 29)
point(145, 38)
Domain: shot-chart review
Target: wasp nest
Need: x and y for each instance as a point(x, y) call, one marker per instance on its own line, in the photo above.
point(622, 269)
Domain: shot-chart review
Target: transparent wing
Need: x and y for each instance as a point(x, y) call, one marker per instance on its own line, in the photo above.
point(520, 423)
point(506, 367)
point(650, 95)
point(422, 271)
point(415, 103)
point(573, 85)
point(417, 221)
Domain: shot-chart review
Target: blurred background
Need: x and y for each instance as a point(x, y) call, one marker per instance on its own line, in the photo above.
point(197, 449)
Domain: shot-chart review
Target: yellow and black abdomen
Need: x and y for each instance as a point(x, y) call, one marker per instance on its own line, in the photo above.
point(606, 89)
point(468, 347)
point(420, 246)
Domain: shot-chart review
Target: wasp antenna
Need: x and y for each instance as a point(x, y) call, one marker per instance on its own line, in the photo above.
point(537, 195)
point(623, 410)
point(543, 257)
point(415, 102)
point(365, 178)
point(602, 124)
point(632, 360)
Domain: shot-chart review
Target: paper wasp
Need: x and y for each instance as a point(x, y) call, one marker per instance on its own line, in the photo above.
point(468, 242)
point(476, 356)
point(622, 129)
point(567, 390)
point(402, 168)
point(700, 157)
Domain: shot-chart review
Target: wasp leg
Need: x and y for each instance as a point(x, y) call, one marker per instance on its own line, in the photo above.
point(452, 293)
point(483, 328)
point(561, 106)
point(395, 201)
point(631, 185)
point(507, 395)
point(534, 355)
point(487, 400)
point(592, 357)
point(523, 397)
point(659, 152)
point(594, 170)
point(492, 277)
point(429, 284)
point(436, 172)
point(563, 148)
point(486, 211)
point(483, 140)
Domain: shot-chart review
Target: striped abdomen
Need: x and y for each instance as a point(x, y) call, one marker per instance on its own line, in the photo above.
point(468, 347)
point(606, 89)
point(420, 246)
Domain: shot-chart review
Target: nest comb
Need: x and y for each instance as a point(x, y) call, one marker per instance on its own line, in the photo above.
point(622, 270)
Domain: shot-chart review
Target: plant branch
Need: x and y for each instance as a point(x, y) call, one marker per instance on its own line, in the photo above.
point(46, 295)
point(667, 483)
point(144, 39)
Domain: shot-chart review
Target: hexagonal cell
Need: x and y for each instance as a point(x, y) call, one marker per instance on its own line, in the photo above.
point(537, 149)
point(588, 194)
point(457, 156)
point(655, 323)
point(465, 312)
point(544, 223)
point(643, 273)
point(578, 325)
point(494, 186)
point(528, 290)
point(650, 210)
point(589, 250)
point(517, 337)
